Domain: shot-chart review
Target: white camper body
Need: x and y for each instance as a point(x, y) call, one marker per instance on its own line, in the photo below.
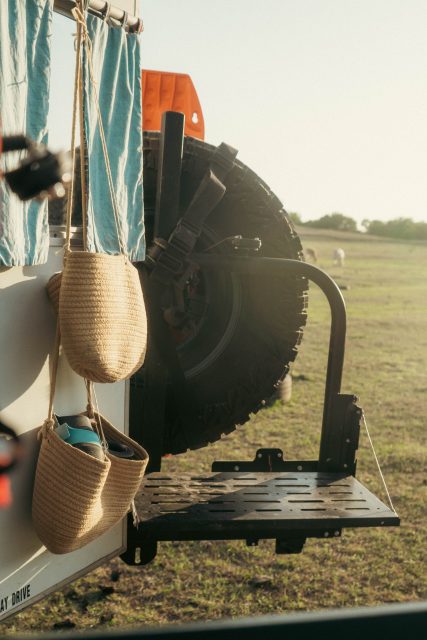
point(27, 327)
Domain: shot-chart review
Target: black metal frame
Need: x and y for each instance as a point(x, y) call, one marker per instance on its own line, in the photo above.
point(336, 452)
point(341, 416)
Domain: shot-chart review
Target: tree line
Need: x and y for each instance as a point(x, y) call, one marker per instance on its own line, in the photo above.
point(400, 228)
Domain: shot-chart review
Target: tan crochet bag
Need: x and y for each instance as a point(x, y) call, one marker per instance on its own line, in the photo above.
point(102, 316)
point(77, 497)
point(98, 297)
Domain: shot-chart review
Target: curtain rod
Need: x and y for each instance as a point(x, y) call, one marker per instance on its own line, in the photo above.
point(102, 8)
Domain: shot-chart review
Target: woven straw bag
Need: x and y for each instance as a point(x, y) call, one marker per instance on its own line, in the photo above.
point(98, 297)
point(77, 497)
point(102, 316)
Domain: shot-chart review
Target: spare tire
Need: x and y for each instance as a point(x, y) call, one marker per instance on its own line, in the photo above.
point(235, 334)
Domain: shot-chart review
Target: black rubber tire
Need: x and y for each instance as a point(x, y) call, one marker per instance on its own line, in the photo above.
point(249, 331)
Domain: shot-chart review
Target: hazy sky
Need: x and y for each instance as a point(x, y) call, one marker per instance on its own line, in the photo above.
point(325, 99)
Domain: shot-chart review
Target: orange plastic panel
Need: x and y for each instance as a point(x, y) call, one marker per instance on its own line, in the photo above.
point(167, 91)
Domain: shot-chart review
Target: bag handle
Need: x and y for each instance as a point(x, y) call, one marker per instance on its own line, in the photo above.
point(95, 416)
point(76, 101)
point(83, 42)
point(49, 423)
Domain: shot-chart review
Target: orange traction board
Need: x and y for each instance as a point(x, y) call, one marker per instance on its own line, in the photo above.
point(168, 91)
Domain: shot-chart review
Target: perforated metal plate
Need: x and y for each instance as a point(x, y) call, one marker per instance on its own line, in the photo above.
point(228, 505)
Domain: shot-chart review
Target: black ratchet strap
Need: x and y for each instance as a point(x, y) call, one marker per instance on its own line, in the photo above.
point(166, 259)
point(222, 160)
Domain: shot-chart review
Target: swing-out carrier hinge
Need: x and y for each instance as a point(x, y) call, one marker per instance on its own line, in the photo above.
point(340, 437)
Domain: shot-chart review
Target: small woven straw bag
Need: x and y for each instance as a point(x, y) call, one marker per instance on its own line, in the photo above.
point(77, 497)
point(98, 297)
point(102, 316)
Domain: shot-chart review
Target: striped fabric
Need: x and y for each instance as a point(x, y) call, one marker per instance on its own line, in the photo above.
point(25, 35)
point(116, 62)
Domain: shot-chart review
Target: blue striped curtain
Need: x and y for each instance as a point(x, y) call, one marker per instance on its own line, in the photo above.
point(116, 62)
point(25, 30)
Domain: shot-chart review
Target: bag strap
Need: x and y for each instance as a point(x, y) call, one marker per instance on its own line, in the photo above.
point(76, 101)
point(83, 42)
point(93, 414)
point(49, 423)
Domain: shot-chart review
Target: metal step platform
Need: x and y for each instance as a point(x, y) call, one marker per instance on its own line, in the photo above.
point(266, 498)
point(252, 506)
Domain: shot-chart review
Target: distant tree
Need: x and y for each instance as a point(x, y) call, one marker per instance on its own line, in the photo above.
point(375, 227)
point(421, 230)
point(295, 217)
point(401, 228)
point(334, 221)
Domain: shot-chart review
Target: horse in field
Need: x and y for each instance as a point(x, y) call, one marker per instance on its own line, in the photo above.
point(310, 255)
point(339, 257)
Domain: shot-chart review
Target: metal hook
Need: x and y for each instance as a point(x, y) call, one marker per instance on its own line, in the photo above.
point(138, 27)
point(106, 12)
point(125, 19)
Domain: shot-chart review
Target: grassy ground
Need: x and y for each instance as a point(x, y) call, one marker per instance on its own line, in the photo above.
point(385, 286)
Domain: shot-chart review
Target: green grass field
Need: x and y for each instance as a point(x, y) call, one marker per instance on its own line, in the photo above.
point(385, 287)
